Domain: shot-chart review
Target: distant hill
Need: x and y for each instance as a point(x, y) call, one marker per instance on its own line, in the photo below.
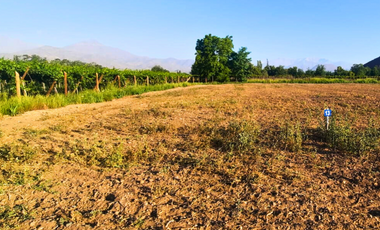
point(373, 63)
point(11, 45)
point(92, 51)
point(309, 63)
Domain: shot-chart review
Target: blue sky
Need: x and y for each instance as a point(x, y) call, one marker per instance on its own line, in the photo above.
point(338, 30)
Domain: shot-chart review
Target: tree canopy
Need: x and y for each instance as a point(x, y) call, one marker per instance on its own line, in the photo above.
point(216, 60)
point(158, 68)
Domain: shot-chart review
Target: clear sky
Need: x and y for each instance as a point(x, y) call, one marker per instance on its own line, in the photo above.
point(338, 30)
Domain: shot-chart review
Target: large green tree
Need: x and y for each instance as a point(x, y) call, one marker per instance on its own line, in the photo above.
point(212, 56)
point(240, 64)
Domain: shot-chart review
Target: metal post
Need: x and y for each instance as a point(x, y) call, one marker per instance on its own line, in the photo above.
point(327, 123)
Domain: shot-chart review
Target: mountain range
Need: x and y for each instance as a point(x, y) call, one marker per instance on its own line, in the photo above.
point(309, 63)
point(373, 63)
point(93, 51)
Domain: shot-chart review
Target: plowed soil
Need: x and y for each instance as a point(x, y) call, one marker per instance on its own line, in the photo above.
point(200, 157)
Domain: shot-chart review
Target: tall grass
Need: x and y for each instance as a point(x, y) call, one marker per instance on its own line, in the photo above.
point(13, 106)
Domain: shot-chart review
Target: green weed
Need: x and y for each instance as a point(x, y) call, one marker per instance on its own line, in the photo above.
point(10, 217)
point(44, 186)
point(240, 136)
point(342, 136)
point(291, 137)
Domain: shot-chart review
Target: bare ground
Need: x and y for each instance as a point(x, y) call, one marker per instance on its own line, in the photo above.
point(168, 160)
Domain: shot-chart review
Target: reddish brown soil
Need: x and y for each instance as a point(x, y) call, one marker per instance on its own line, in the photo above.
point(173, 175)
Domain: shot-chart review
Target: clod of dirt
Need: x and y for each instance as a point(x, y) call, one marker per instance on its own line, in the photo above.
point(110, 197)
point(374, 212)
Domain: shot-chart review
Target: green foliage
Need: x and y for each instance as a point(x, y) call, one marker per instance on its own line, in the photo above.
point(240, 64)
point(10, 217)
point(360, 71)
point(81, 76)
point(14, 106)
point(14, 160)
point(320, 71)
point(291, 137)
point(240, 136)
point(315, 80)
point(212, 55)
point(342, 136)
point(158, 68)
point(16, 153)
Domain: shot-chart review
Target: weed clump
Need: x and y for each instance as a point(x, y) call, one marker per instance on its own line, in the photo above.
point(341, 135)
point(291, 137)
point(10, 217)
point(14, 160)
point(240, 136)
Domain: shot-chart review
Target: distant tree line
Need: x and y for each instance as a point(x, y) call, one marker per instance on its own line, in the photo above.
point(356, 71)
point(216, 61)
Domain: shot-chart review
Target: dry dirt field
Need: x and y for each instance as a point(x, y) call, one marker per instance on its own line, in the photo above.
point(247, 156)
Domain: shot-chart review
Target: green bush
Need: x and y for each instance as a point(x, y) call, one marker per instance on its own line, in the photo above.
point(342, 136)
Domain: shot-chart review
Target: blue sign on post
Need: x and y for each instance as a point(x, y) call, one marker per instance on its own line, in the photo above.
point(327, 113)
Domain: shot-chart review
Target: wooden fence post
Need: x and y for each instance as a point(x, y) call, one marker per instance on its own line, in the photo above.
point(51, 88)
point(65, 80)
point(97, 82)
point(24, 75)
point(18, 88)
point(166, 80)
point(147, 81)
point(118, 77)
point(178, 78)
point(134, 78)
point(193, 79)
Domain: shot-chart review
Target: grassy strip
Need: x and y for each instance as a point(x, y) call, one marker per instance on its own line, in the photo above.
point(14, 106)
point(315, 80)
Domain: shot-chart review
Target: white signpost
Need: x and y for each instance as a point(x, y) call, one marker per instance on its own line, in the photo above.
point(327, 113)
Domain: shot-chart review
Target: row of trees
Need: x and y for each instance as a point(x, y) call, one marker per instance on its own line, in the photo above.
point(356, 71)
point(39, 74)
point(216, 61)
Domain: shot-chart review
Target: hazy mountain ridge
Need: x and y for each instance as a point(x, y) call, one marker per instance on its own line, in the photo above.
point(309, 63)
point(93, 51)
point(11, 45)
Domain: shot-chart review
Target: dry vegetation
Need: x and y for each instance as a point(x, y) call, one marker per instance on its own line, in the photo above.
point(205, 157)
